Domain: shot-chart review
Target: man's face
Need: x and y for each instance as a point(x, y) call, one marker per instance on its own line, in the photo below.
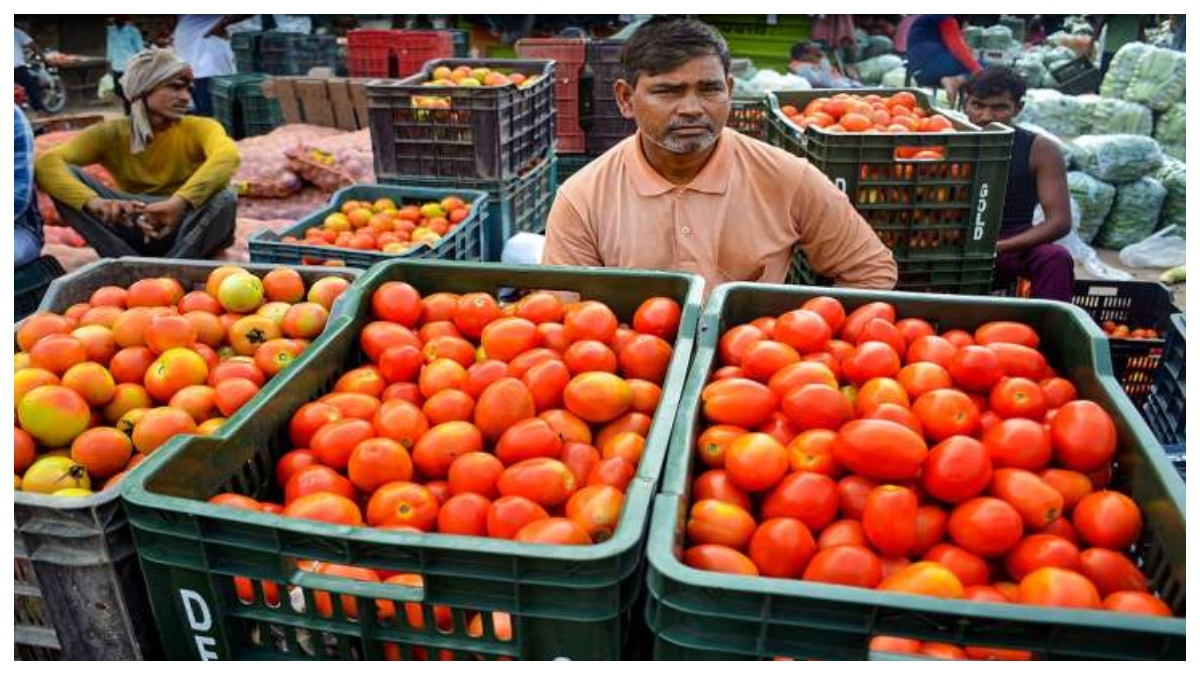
point(171, 99)
point(1000, 108)
point(682, 111)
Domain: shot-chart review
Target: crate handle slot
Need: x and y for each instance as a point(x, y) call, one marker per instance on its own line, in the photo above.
point(343, 586)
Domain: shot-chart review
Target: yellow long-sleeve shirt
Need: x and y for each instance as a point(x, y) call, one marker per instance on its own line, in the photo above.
point(193, 159)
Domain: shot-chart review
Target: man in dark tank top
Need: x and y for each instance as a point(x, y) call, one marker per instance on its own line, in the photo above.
point(1037, 175)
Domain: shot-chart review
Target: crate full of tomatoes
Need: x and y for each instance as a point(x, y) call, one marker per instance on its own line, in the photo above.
point(366, 224)
point(123, 355)
point(470, 477)
point(859, 472)
point(931, 185)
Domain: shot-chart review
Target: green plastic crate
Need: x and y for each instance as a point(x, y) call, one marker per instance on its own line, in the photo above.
point(702, 615)
point(765, 39)
point(519, 204)
point(968, 275)
point(464, 242)
point(241, 107)
point(919, 208)
point(79, 589)
point(564, 600)
point(569, 165)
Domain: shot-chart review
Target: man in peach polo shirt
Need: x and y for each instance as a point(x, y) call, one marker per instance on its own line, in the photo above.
point(684, 193)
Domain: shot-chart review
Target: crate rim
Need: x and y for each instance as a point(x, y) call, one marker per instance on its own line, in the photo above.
point(663, 529)
point(133, 488)
point(410, 81)
point(105, 496)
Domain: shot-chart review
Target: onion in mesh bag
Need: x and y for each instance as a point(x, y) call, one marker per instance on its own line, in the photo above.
point(1134, 214)
point(1118, 158)
point(1095, 198)
point(336, 162)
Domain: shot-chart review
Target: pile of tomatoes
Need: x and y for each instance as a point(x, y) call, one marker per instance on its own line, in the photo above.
point(1122, 331)
point(107, 382)
point(383, 226)
point(869, 451)
point(523, 422)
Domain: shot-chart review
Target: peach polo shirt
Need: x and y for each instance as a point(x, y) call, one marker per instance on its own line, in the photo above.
point(739, 219)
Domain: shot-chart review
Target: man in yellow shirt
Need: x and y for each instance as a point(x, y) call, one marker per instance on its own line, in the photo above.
point(173, 171)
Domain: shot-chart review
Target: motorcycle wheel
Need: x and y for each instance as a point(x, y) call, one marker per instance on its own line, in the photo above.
point(54, 97)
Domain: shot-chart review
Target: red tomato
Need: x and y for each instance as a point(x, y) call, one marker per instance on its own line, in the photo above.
point(659, 317)
point(880, 449)
point(985, 526)
point(804, 330)
point(1020, 361)
point(931, 528)
point(932, 349)
point(975, 368)
point(1007, 331)
point(782, 547)
point(859, 318)
point(715, 484)
point(734, 343)
point(715, 558)
point(970, 569)
point(741, 402)
point(397, 301)
point(1111, 571)
point(1072, 485)
point(830, 309)
point(842, 532)
point(1037, 502)
point(945, 413)
point(1054, 587)
point(1018, 443)
point(1083, 436)
point(890, 519)
point(924, 578)
point(1018, 397)
point(845, 565)
point(852, 495)
point(817, 406)
point(714, 522)
point(1041, 550)
point(1108, 519)
point(957, 469)
point(808, 497)
point(1137, 602)
point(756, 462)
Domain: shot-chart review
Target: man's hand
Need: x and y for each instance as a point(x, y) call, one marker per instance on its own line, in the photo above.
point(112, 211)
point(162, 218)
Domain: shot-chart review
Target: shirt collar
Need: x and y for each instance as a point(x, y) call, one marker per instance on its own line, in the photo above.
point(712, 179)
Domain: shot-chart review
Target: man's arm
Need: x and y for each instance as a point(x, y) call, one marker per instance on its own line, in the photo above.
point(220, 164)
point(570, 240)
point(53, 169)
point(1050, 173)
point(836, 240)
point(22, 163)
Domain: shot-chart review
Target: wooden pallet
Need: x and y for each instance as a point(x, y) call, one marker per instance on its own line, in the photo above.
point(337, 102)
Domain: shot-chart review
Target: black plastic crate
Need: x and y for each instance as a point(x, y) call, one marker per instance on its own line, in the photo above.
point(920, 208)
point(519, 204)
point(30, 283)
point(969, 275)
point(749, 116)
point(1137, 304)
point(603, 126)
point(460, 41)
point(296, 54)
point(1178, 456)
point(1077, 77)
point(1166, 407)
point(463, 243)
point(490, 132)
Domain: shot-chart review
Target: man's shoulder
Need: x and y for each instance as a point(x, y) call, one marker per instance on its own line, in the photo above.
point(590, 178)
point(757, 157)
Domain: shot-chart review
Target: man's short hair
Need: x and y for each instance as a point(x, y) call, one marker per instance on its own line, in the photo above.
point(996, 80)
point(801, 49)
point(665, 43)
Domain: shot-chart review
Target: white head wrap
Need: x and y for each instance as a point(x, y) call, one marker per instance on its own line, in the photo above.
point(145, 71)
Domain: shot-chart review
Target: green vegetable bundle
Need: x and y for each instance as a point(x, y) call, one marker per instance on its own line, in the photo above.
point(1134, 215)
point(1122, 69)
point(1118, 158)
point(1160, 79)
point(1171, 131)
point(1173, 176)
point(1095, 199)
point(1114, 116)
